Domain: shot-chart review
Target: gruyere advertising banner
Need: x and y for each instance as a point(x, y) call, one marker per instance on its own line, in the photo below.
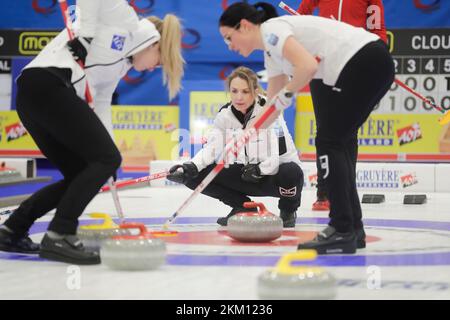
point(145, 133)
point(400, 177)
point(382, 134)
point(142, 133)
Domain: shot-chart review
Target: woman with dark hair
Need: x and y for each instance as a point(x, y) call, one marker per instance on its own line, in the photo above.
point(349, 70)
point(367, 14)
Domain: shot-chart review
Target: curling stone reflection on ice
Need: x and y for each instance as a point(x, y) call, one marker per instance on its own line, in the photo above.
point(133, 252)
point(93, 235)
point(289, 282)
point(262, 226)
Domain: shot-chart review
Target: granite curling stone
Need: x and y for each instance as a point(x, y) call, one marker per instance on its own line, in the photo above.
point(261, 226)
point(287, 282)
point(133, 252)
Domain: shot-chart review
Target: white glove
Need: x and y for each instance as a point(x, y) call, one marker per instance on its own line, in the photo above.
point(283, 99)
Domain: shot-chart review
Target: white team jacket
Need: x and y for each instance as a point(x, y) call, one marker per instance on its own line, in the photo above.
point(117, 35)
point(270, 147)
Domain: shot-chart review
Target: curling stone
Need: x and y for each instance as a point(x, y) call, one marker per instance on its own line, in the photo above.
point(289, 282)
point(133, 252)
point(262, 226)
point(92, 235)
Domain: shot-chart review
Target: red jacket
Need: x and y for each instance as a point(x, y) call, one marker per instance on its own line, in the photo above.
point(353, 12)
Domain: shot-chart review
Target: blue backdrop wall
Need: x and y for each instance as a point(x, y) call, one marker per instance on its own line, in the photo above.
point(204, 49)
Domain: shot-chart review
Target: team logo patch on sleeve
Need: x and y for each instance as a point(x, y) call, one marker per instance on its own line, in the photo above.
point(288, 192)
point(117, 42)
point(272, 39)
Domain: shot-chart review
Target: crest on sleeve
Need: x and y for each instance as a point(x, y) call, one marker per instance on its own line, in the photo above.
point(117, 42)
point(272, 39)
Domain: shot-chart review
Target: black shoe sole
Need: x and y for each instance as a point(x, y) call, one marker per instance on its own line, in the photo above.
point(222, 223)
point(289, 224)
point(338, 248)
point(361, 244)
point(51, 255)
point(16, 250)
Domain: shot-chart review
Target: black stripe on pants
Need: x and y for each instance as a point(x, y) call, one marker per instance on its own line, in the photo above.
point(229, 188)
point(73, 139)
point(340, 111)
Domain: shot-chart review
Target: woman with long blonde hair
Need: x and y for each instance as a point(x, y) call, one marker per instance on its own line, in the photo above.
point(76, 138)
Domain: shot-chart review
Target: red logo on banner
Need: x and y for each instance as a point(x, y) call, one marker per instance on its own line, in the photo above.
point(191, 39)
point(408, 180)
point(134, 77)
point(225, 4)
point(225, 71)
point(15, 131)
point(142, 7)
point(38, 6)
point(313, 180)
point(409, 134)
point(169, 127)
point(433, 5)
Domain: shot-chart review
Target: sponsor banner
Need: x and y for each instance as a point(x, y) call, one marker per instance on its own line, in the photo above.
point(382, 134)
point(142, 133)
point(25, 42)
point(417, 13)
point(199, 103)
point(385, 176)
point(201, 39)
point(14, 138)
point(5, 66)
point(418, 42)
point(396, 177)
point(203, 108)
point(145, 133)
point(442, 178)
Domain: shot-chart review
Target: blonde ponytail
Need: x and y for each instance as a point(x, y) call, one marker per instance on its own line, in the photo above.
point(170, 45)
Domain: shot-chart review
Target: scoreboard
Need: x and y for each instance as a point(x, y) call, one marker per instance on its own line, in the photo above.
point(422, 62)
point(402, 126)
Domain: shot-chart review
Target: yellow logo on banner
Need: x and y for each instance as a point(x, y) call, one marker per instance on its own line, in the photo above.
point(32, 42)
point(391, 40)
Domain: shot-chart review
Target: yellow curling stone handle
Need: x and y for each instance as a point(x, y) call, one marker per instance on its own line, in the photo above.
point(107, 223)
point(284, 264)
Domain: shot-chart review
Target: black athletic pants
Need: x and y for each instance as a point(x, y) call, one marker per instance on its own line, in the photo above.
point(229, 188)
point(322, 189)
point(73, 139)
point(340, 111)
